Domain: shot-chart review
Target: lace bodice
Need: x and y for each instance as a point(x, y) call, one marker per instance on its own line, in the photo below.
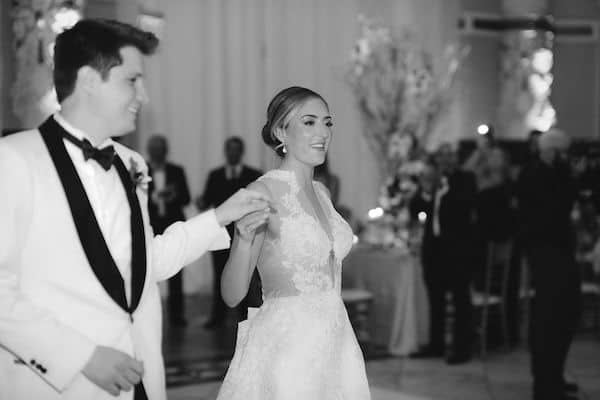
point(298, 256)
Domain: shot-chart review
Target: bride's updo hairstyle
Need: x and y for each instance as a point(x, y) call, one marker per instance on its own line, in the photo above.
point(280, 111)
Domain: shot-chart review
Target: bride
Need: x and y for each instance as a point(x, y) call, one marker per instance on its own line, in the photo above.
point(299, 344)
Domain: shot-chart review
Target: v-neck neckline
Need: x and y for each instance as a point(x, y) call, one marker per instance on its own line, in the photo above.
point(328, 228)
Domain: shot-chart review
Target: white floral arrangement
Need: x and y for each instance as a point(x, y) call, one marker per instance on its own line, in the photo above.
point(401, 98)
point(400, 95)
point(35, 25)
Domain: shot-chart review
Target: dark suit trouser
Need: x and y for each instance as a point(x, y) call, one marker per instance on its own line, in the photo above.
point(252, 299)
point(219, 308)
point(175, 299)
point(445, 270)
point(555, 312)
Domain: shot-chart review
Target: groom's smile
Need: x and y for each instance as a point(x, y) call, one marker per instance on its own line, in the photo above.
point(121, 95)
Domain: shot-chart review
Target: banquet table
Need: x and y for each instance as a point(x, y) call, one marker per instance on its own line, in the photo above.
point(398, 318)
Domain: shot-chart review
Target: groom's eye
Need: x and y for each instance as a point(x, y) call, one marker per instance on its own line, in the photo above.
point(309, 123)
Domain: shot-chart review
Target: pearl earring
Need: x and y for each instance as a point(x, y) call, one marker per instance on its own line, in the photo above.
point(282, 147)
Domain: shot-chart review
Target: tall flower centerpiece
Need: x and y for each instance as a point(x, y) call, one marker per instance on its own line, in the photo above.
point(401, 97)
point(35, 25)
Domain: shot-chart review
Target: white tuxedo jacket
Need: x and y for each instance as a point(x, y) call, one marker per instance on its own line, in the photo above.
point(53, 308)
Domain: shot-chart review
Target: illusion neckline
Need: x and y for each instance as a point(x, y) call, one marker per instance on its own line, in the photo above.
point(291, 178)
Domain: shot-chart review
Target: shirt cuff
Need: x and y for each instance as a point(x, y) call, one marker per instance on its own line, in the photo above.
point(222, 239)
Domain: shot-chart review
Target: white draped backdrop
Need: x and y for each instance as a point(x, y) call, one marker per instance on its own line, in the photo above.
point(221, 61)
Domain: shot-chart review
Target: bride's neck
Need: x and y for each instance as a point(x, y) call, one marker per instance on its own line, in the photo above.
point(304, 174)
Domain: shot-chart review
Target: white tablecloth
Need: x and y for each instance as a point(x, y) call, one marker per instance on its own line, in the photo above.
point(398, 317)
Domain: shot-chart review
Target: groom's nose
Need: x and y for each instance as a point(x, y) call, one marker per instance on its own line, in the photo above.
point(142, 94)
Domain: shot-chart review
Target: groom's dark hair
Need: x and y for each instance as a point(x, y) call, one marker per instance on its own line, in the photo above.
point(95, 42)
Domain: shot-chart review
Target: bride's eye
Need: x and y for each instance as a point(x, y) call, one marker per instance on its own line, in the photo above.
point(329, 124)
point(309, 123)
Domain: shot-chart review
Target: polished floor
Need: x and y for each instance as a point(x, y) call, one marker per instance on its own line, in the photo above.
point(196, 360)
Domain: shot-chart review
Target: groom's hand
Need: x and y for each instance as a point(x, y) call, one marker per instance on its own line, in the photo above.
point(243, 202)
point(113, 370)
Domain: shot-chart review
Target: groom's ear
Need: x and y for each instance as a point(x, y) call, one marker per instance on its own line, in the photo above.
point(88, 78)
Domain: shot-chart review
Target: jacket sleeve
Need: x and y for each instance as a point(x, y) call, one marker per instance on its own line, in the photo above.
point(184, 242)
point(33, 335)
point(184, 194)
point(208, 196)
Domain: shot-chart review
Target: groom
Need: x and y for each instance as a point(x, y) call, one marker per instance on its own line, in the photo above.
point(80, 313)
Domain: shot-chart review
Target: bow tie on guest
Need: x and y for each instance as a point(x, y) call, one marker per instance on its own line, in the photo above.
point(104, 156)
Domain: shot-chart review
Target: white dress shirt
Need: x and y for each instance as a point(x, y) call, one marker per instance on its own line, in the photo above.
point(108, 200)
point(159, 179)
point(233, 171)
point(437, 200)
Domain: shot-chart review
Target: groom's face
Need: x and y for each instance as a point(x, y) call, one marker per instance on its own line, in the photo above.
point(118, 98)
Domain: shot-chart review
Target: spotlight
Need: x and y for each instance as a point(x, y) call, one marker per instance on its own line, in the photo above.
point(483, 129)
point(376, 213)
point(422, 217)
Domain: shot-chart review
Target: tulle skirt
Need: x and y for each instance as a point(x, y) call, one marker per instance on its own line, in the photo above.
point(297, 348)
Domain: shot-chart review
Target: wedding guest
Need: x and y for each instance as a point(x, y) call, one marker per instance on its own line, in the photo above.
point(221, 183)
point(447, 254)
point(518, 257)
point(168, 194)
point(546, 198)
point(80, 314)
point(495, 225)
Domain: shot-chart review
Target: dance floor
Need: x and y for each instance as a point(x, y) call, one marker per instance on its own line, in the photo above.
point(197, 359)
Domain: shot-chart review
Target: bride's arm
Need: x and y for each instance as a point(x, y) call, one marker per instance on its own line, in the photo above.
point(246, 247)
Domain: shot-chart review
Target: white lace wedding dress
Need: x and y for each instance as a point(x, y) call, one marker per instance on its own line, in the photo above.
point(299, 345)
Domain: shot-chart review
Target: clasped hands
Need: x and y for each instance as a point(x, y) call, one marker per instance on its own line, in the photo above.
point(249, 209)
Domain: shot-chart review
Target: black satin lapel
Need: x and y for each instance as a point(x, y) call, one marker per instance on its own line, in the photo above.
point(138, 240)
point(90, 235)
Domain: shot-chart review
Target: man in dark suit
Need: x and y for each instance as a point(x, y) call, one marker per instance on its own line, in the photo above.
point(168, 195)
point(447, 252)
point(221, 183)
point(547, 194)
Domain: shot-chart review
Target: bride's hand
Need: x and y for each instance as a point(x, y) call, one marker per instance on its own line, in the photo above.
point(241, 204)
point(246, 227)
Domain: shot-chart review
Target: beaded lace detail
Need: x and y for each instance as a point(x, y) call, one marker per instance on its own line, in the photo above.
point(298, 255)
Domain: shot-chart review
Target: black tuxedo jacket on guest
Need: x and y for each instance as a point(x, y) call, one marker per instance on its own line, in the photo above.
point(174, 177)
point(456, 215)
point(218, 188)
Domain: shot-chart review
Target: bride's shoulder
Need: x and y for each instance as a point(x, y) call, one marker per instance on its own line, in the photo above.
point(260, 186)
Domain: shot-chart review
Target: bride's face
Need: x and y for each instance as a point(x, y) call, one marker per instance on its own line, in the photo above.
point(308, 132)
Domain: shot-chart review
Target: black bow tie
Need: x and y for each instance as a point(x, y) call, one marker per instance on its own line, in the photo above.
point(104, 156)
